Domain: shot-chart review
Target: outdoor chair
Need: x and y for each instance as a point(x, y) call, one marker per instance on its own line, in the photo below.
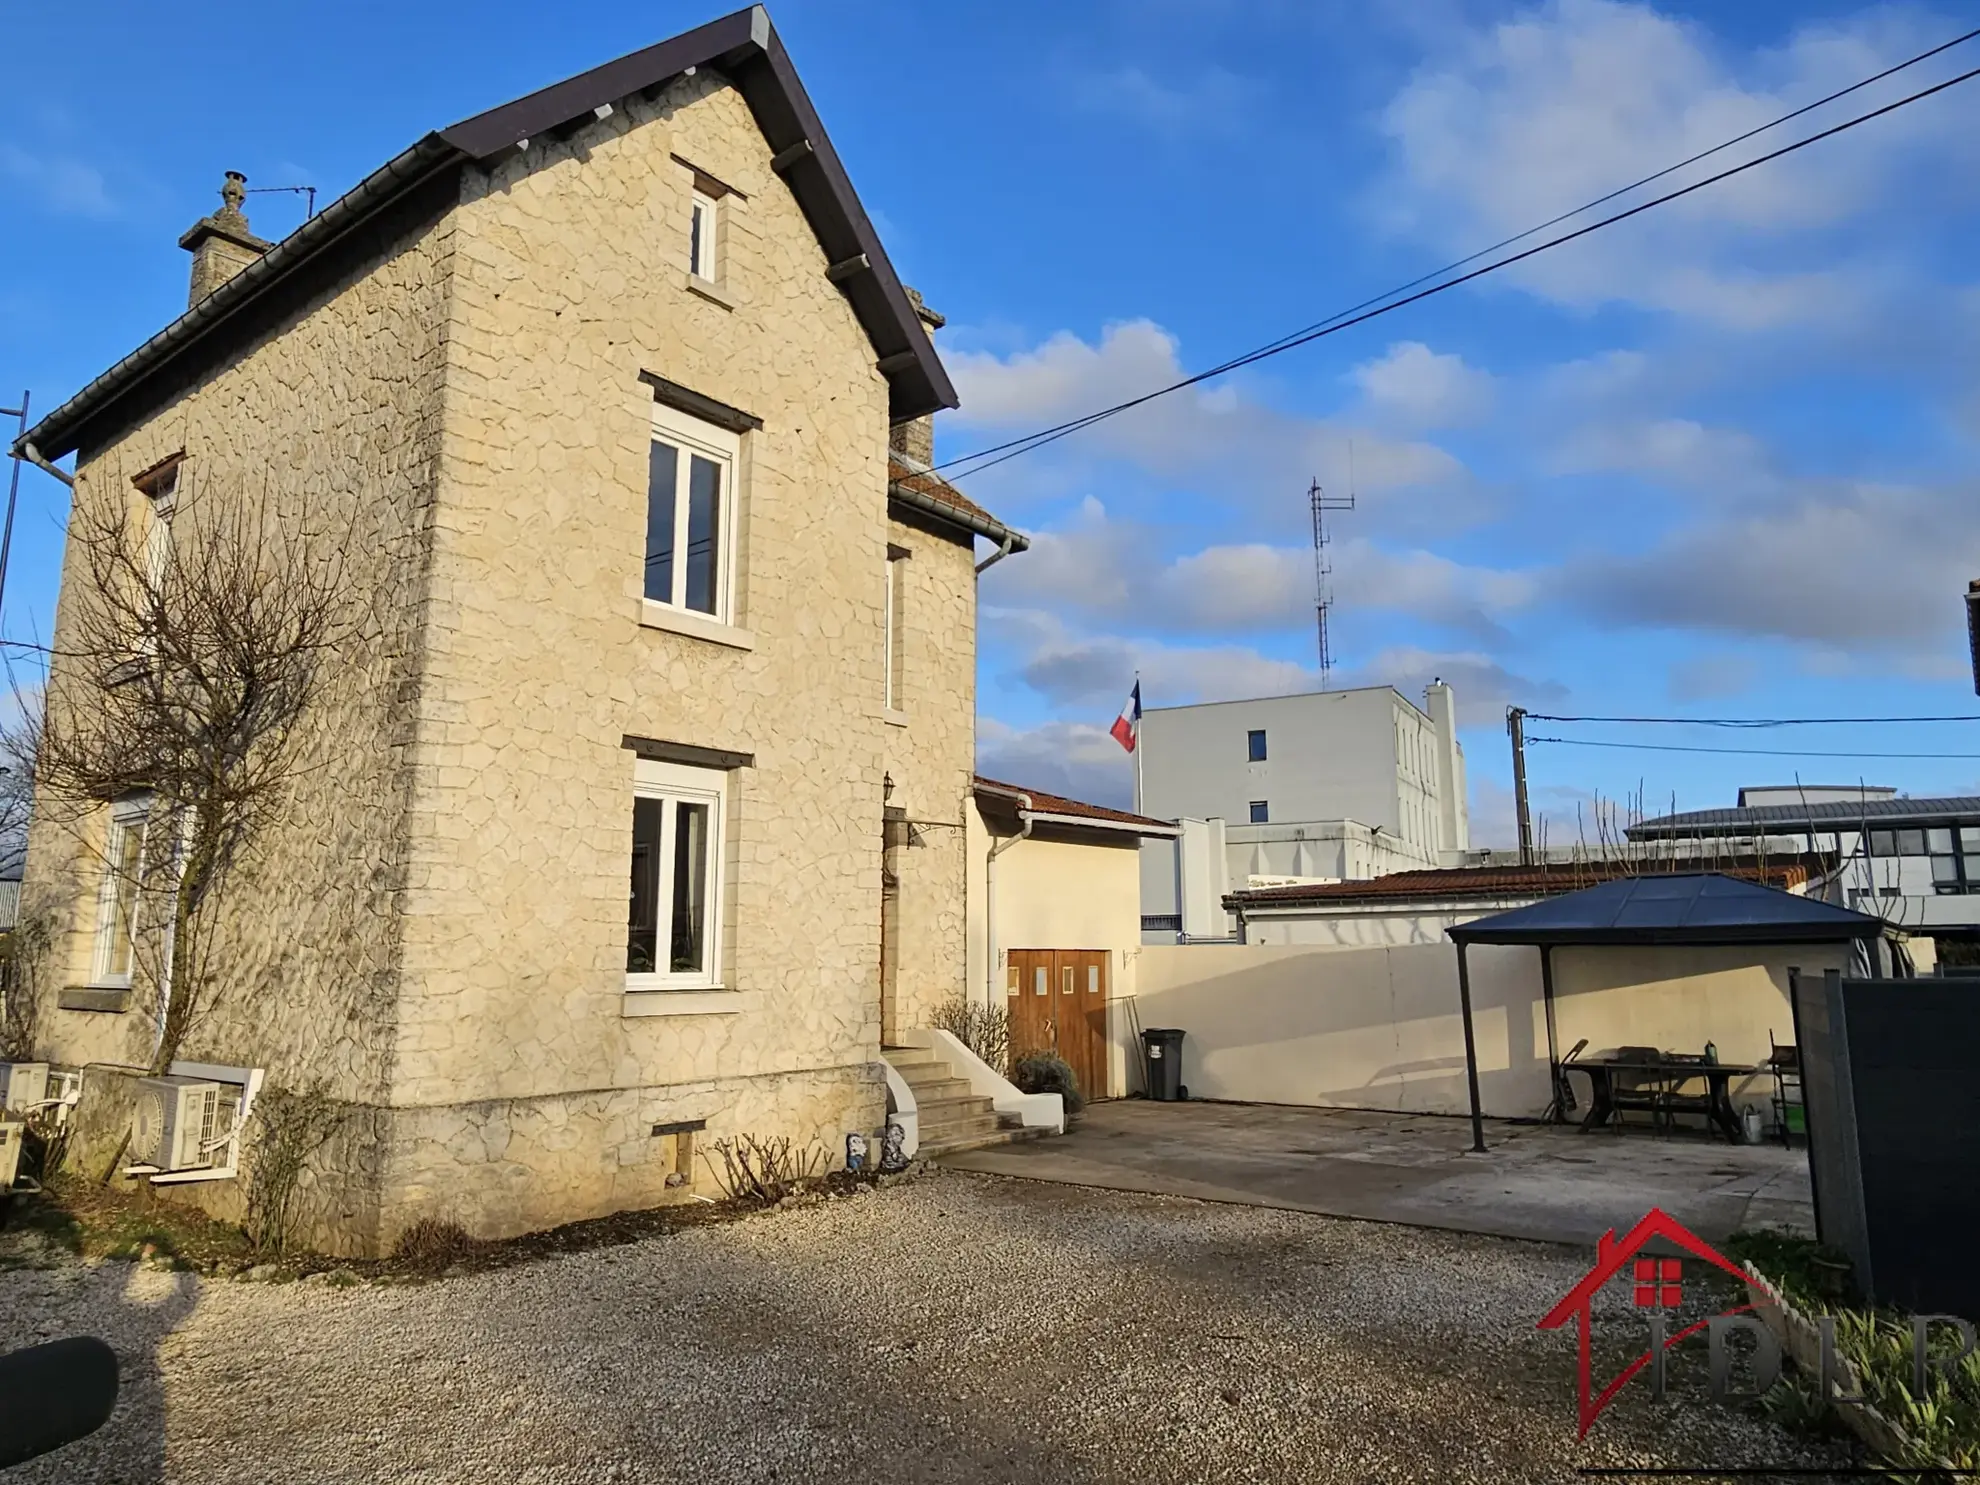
point(1676, 1101)
point(1564, 1100)
point(1639, 1092)
point(1790, 1114)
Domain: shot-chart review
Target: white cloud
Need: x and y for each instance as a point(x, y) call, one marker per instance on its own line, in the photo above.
point(1482, 686)
point(1413, 386)
point(1210, 99)
point(1112, 570)
point(64, 185)
point(1216, 434)
point(1521, 120)
point(1072, 668)
point(1855, 569)
point(1076, 759)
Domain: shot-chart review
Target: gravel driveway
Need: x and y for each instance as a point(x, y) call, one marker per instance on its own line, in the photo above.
point(952, 1328)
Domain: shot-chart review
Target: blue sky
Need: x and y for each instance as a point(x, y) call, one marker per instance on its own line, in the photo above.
point(1718, 461)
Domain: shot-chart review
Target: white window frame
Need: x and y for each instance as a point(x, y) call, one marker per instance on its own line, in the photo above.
point(127, 817)
point(690, 436)
point(704, 218)
point(892, 653)
point(679, 783)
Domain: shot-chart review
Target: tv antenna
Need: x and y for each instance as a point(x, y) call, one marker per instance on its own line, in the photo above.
point(309, 191)
point(1323, 567)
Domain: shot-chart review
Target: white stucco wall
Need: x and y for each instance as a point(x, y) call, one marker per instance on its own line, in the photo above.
point(1055, 891)
point(1380, 1028)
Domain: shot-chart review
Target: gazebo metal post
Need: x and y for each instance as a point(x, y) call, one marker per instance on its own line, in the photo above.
point(1470, 1051)
point(1553, 1041)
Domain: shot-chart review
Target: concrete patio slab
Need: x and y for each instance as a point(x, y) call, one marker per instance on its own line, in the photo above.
point(1547, 1183)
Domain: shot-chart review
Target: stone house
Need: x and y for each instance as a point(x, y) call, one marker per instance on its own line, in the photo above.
point(629, 416)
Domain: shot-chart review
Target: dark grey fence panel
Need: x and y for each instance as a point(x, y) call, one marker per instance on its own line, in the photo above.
point(1891, 1073)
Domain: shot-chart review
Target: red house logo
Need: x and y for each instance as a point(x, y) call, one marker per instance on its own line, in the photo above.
point(1657, 1286)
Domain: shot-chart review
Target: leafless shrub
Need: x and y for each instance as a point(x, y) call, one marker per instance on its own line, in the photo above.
point(193, 646)
point(290, 1127)
point(431, 1243)
point(23, 958)
point(985, 1030)
point(763, 1171)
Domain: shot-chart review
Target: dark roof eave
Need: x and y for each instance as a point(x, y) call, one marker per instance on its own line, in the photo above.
point(960, 520)
point(746, 48)
point(1671, 937)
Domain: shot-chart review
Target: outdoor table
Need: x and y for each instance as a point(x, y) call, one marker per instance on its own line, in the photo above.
point(1717, 1104)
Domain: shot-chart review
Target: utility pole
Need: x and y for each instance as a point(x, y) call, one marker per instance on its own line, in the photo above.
point(1516, 728)
point(13, 488)
point(1323, 569)
point(1973, 629)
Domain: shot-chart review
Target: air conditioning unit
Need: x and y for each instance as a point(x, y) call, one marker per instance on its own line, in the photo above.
point(174, 1122)
point(22, 1084)
point(11, 1131)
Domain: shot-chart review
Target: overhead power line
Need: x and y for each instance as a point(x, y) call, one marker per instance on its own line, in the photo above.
point(1369, 309)
point(1755, 721)
point(1581, 742)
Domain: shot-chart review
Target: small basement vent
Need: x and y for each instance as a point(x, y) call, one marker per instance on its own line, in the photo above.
point(173, 1123)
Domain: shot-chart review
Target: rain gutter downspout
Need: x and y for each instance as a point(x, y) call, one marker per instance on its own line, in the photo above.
point(33, 455)
point(997, 848)
point(1010, 542)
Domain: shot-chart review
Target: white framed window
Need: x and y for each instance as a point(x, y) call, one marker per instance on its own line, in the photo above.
point(673, 923)
point(896, 570)
point(117, 895)
point(690, 513)
point(701, 236)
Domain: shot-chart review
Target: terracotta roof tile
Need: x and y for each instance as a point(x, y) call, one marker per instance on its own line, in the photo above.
point(909, 476)
point(1058, 804)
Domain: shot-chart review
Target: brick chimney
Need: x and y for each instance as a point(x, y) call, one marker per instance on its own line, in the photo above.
point(916, 437)
point(221, 244)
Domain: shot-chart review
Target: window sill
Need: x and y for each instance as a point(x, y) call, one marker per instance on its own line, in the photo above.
point(893, 716)
point(708, 289)
point(115, 998)
point(681, 1003)
point(696, 626)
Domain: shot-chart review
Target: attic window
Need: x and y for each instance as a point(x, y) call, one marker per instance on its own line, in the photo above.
point(161, 481)
point(701, 237)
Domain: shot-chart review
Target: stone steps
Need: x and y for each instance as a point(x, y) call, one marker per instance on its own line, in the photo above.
point(951, 1118)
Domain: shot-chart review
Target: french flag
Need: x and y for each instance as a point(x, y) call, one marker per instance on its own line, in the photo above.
point(1127, 726)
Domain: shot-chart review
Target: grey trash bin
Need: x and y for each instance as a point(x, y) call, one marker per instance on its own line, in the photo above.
point(1161, 1056)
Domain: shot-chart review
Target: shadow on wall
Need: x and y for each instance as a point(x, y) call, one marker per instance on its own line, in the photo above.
point(1351, 1028)
point(1380, 1028)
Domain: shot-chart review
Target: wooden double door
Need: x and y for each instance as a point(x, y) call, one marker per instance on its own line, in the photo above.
point(1057, 999)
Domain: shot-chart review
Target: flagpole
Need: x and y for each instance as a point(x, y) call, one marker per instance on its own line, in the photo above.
point(1137, 745)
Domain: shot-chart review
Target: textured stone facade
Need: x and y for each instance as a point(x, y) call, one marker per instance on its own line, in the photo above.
point(931, 754)
point(439, 930)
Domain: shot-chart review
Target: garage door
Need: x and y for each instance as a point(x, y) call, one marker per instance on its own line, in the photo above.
point(1058, 1002)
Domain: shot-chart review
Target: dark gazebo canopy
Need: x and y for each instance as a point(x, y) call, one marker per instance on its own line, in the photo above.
point(1708, 908)
point(1691, 910)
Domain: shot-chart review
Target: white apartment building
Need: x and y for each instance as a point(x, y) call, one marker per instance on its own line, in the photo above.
point(1325, 786)
point(1913, 862)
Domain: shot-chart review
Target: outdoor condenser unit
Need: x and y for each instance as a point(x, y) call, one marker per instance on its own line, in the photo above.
point(22, 1084)
point(173, 1122)
point(11, 1131)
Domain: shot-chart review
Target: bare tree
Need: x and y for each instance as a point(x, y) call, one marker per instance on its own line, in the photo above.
point(193, 647)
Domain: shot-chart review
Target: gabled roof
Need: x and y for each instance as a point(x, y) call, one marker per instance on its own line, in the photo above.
point(1707, 908)
point(1786, 819)
point(744, 47)
point(920, 489)
point(1060, 809)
